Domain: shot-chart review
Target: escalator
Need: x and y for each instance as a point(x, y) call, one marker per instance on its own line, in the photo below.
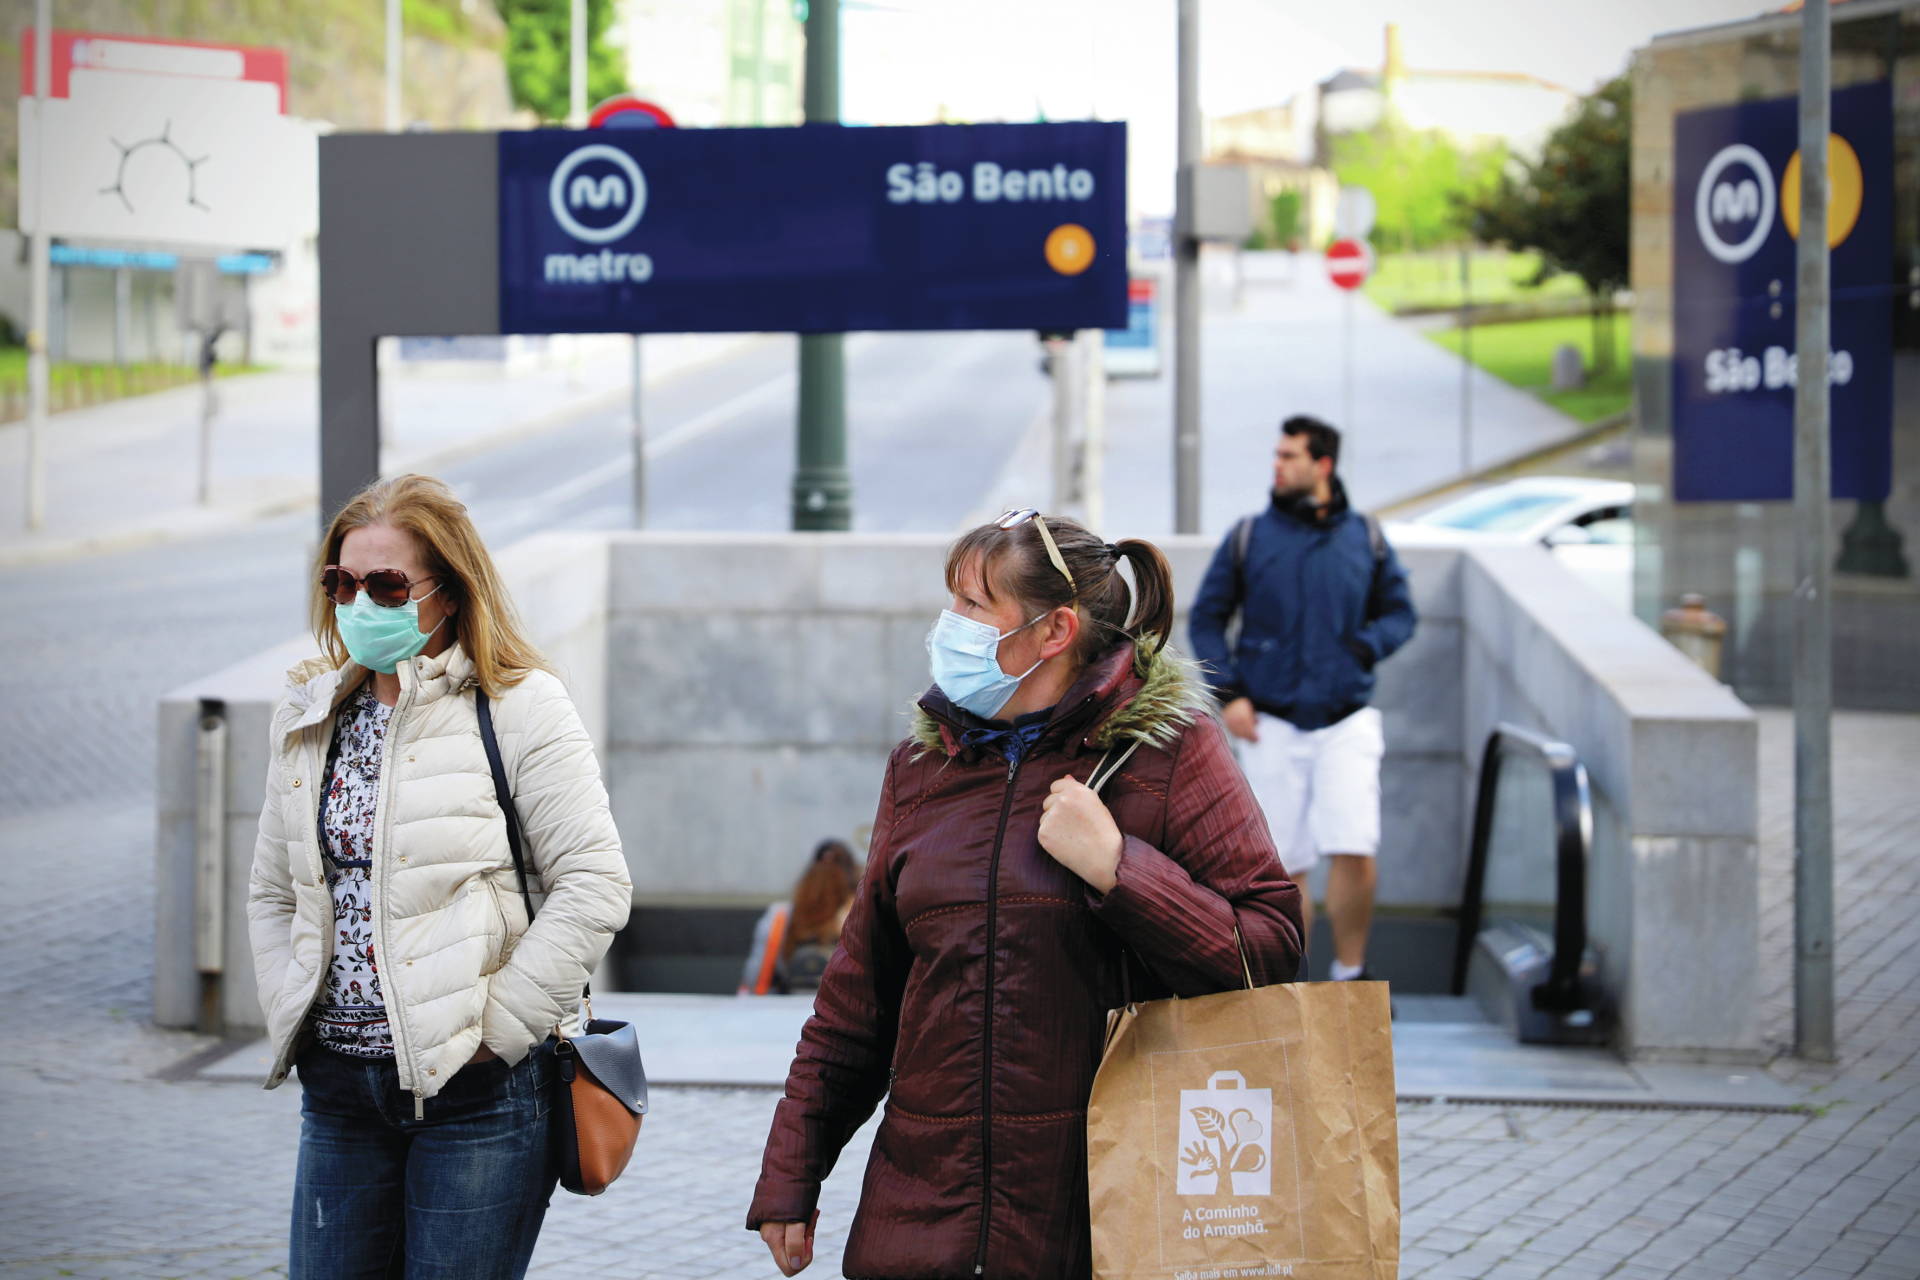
point(1521, 951)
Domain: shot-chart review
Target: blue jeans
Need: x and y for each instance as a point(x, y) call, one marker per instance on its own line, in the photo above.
point(458, 1195)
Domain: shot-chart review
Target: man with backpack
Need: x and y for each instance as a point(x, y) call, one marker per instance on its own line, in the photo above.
point(1321, 600)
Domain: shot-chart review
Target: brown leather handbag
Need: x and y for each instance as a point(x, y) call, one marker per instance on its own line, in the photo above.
point(600, 1086)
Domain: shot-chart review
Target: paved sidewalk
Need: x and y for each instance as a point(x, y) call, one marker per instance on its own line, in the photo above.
point(108, 1171)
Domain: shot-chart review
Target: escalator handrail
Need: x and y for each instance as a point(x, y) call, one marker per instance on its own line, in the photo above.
point(1573, 838)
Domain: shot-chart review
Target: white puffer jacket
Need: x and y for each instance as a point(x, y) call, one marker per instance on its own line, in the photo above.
point(458, 964)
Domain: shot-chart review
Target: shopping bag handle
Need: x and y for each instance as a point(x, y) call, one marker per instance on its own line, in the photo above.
point(1097, 779)
point(1214, 1080)
point(1246, 970)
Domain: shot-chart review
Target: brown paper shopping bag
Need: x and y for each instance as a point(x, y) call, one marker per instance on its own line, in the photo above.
point(1250, 1133)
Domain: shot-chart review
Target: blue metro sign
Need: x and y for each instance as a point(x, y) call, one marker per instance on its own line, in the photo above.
point(816, 229)
point(1735, 219)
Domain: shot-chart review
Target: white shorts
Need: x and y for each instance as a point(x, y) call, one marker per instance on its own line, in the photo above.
point(1320, 788)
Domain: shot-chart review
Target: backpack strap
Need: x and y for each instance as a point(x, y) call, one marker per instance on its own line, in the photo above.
point(1376, 538)
point(1240, 539)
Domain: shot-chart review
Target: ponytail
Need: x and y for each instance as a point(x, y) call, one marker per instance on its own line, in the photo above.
point(1152, 596)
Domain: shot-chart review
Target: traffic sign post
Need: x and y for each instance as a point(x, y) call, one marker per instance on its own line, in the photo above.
point(1349, 263)
point(625, 111)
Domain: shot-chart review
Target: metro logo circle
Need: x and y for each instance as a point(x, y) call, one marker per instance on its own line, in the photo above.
point(597, 182)
point(1349, 263)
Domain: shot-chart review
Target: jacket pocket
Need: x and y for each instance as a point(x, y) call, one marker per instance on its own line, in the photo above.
point(503, 947)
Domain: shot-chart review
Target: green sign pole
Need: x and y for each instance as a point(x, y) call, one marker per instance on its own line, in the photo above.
point(822, 490)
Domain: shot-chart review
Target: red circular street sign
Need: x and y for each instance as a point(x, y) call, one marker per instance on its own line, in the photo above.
point(625, 111)
point(1349, 263)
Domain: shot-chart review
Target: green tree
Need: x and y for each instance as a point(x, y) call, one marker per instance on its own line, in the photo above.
point(539, 52)
point(1573, 205)
point(1284, 212)
point(1418, 178)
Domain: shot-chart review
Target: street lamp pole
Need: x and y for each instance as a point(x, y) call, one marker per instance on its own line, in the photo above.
point(395, 47)
point(822, 489)
point(39, 280)
point(577, 65)
point(1186, 283)
point(1813, 640)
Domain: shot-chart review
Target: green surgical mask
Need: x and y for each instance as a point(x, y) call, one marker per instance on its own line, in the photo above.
point(378, 638)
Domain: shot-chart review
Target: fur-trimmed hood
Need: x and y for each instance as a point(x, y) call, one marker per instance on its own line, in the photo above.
point(1123, 695)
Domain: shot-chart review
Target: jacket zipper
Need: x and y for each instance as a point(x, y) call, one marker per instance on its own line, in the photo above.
point(396, 1022)
point(986, 1036)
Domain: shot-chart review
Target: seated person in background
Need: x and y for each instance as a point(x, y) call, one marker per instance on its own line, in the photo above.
point(794, 940)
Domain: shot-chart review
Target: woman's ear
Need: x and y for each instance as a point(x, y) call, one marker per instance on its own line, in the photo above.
point(1063, 628)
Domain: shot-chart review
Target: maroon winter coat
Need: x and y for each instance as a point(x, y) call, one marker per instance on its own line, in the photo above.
point(975, 973)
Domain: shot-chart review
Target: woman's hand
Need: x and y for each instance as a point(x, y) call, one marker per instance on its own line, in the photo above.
point(482, 1054)
point(1080, 834)
point(791, 1243)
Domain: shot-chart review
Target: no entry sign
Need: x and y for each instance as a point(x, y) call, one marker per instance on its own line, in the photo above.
point(1349, 263)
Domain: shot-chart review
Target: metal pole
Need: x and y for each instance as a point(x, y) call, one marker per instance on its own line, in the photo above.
point(1346, 364)
point(1062, 360)
point(639, 444)
point(122, 314)
point(39, 285)
point(395, 122)
point(1186, 283)
point(1812, 653)
point(1466, 365)
point(577, 66)
point(1093, 448)
point(822, 489)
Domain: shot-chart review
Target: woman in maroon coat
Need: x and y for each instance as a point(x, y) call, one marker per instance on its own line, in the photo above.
point(1006, 908)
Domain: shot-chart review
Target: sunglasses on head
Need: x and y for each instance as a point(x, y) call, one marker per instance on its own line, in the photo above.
point(388, 588)
point(1015, 518)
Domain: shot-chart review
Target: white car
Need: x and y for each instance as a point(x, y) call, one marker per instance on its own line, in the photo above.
point(1587, 524)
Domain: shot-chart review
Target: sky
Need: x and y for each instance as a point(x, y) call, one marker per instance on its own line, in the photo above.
point(912, 61)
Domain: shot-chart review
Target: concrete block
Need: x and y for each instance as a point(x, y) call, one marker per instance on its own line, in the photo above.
point(1423, 812)
point(1692, 989)
point(736, 821)
point(716, 572)
point(895, 573)
point(1418, 691)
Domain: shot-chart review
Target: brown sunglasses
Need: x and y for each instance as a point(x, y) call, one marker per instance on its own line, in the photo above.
point(388, 588)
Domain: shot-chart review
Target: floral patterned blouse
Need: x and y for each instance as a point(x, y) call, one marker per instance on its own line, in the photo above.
point(349, 1015)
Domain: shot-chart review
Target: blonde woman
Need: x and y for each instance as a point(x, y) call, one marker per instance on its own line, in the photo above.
point(394, 957)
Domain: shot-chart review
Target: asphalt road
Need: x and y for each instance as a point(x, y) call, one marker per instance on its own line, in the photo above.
point(92, 642)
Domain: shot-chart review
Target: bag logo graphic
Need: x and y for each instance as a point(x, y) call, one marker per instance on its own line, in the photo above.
point(1225, 1132)
point(600, 190)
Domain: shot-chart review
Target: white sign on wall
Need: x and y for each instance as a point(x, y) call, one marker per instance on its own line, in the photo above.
point(157, 141)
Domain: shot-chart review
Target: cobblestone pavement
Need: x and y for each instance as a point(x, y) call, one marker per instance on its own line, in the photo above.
point(109, 1170)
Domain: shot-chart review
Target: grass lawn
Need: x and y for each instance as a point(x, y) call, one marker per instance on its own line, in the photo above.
point(1432, 280)
point(72, 385)
point(1522, 354)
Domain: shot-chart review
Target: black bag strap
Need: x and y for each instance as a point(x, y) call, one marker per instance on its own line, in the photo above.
point(503, 793)
point(1241, 538)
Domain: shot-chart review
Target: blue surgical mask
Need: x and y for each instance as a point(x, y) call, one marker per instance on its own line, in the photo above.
point(965, 658)
point(379, 638)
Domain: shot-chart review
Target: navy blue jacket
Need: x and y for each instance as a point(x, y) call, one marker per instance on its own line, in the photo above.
point(1317, 614)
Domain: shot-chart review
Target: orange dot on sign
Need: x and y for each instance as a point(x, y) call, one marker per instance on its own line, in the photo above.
point(1069, 249)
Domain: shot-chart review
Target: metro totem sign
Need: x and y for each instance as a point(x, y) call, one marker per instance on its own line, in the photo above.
point(1736, 220)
